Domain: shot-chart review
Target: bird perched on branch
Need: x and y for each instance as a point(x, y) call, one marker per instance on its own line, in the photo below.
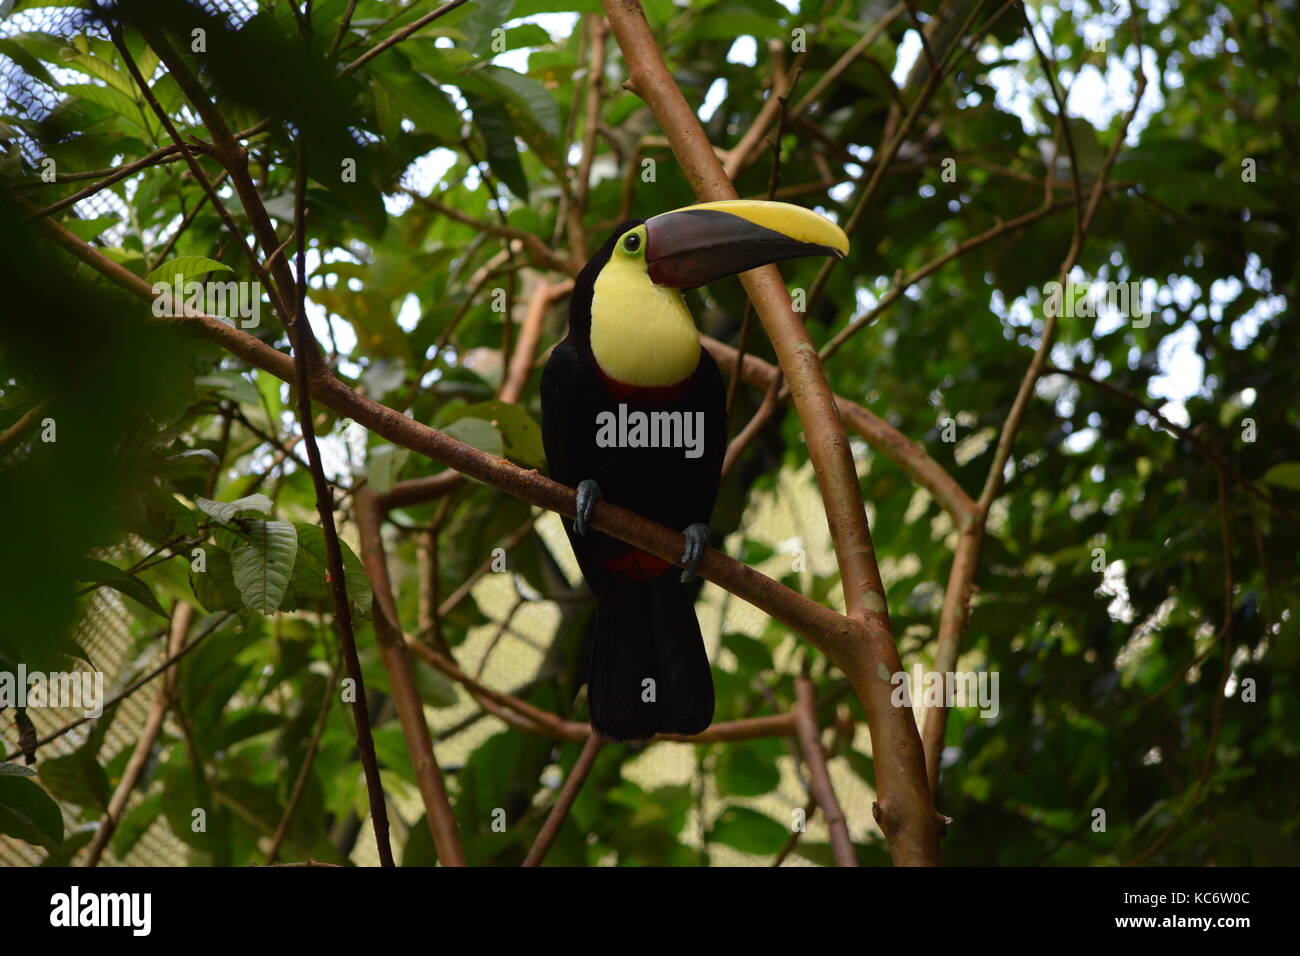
point(634, 413)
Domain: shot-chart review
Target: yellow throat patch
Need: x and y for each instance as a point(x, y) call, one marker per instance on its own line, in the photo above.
point(641, 334)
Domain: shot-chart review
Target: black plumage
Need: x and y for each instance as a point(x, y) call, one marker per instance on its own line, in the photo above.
point(645, 625)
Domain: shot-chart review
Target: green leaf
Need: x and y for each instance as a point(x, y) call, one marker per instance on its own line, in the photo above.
point(311, 576)
point(28, 813)
point(76, 778)
point(1285, 475)
point(15, 47)
point(135, 824)
point(531, 107)
point(262, 563)
point(749, 769)
point(383, 465)
point(748, 831)
point(184, 268)
point(16, 770)
point(479, 433)
point(99, 69)
point(270, 386)
point(520, 436)
point(242, 725)
point(103, 573)
point(751, 654)
point(494, 122)
point(72, 844)
point(435, 689)
point(90, 228)
point(109, 98)
point(409, 94)
point(226, 511)
point(527, 35)
point(484, 17)
point(231, 385)
point(215, 586)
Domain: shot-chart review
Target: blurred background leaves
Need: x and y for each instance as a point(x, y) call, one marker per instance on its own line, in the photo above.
point(1109, 673)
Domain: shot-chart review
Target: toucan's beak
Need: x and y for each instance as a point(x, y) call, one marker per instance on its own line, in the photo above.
point(694, 246)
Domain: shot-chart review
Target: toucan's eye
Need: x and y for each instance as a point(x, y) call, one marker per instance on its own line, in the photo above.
point(632, 243)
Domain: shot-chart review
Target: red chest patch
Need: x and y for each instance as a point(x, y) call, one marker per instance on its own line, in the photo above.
point(637, 565)
point(644, 394)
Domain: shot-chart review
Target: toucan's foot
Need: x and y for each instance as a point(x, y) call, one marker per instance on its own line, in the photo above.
point(697, 539)
point(588, 495)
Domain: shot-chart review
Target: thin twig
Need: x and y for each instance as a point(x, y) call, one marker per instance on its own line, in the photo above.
point(956, 602)
point(568, 793)
point(118, 698)
point(304, 772)
point(399, 36)
point(182, 615)
point(303, 343)
point(819, 778)
point(14, 433)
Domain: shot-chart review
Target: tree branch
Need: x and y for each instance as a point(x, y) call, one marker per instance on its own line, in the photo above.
point(182, 615)
point(875, 431)
point(568, 793)
point(399, 36)
point(846, 60)
point(135, 686)
point(300, 783)
point(909, 822)
point(956, 600)
point(305, 346)
point(819, 778)
point(406, 694)
point(15, 432)
point(821, 626)
point(535, 246)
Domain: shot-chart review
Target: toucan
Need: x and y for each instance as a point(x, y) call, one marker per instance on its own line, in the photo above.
point(634, 413)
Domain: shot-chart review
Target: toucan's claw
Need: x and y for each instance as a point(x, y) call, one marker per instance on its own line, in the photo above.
point(697, 539)
point(588, 495)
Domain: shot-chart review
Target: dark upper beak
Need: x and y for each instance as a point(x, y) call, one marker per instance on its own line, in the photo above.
point(693, 246)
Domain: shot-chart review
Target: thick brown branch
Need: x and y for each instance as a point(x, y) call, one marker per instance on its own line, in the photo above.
point(910, 823)
point(820, 625)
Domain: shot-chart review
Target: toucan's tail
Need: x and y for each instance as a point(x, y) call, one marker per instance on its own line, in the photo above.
point(649, 672)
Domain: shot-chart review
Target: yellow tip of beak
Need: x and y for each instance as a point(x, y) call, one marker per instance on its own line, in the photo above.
point(796, 222)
